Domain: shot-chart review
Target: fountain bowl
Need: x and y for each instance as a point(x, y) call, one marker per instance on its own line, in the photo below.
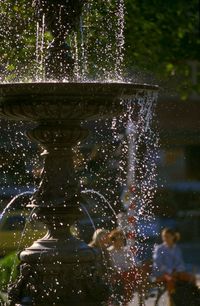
point(67, 101)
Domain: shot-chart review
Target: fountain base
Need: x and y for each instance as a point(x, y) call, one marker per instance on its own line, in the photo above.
point(69, 275)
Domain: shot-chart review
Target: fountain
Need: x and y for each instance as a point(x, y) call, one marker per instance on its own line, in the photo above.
point(60, 269)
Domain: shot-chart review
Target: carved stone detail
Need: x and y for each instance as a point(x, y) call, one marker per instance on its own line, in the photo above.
point(57, 136)
point(40, 109)
point(59, 185)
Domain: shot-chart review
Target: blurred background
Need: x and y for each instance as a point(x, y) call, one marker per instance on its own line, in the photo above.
point(162, 46)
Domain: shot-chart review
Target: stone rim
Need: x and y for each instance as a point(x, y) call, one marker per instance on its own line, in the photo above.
point(114, 89)
point(72, 101)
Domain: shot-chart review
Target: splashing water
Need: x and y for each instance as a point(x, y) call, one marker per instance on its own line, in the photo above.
point(40, 45)
point(89, 216)
point(101, 196)
point(98, 44)
point(142, 148)
point(20, 243)
point(127, 151)
point(119, 39)
point(103, 44)
point(12, 202)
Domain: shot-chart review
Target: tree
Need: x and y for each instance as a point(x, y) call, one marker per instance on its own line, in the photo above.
point(163, 37)
point(17, 39)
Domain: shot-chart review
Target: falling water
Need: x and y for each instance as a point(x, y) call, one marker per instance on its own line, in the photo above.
point(83, 56)
point(106, 52)
point(119, 39)
point(12, 202)
point(101, 196)
point(18, 41)
point(40, 45)
point(97, 162)
point(19, 156)
point(122, 164)
point(142, 147)
point(28, 219)
point(102, 44)
point(77, 74)
point(99, 46)
point(88, 215)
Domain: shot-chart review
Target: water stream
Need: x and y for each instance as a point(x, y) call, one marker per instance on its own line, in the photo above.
point(91, 191)
point(98, 42)
point(12, 202)
point(28, 219)
point(40, 49)
point(88, 215)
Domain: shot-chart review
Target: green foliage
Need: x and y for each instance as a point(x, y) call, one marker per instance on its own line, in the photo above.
point(8, 270)
point(17, 39)
point(162, 37)
point(98, 41)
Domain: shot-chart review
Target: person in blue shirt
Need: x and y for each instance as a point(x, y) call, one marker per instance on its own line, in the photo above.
point(167, 257)
point(168, 264)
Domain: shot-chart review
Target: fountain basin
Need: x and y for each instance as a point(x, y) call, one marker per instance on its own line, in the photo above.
point(72, 101)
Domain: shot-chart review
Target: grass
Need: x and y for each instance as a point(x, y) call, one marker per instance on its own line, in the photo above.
point(8, 273)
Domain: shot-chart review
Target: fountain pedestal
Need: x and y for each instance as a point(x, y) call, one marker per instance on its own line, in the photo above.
point(58, 269)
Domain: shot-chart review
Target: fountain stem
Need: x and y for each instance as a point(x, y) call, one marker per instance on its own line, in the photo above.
point(59, 185)
point(61, 268)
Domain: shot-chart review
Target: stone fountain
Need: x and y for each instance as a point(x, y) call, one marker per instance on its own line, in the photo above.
point(60, 269)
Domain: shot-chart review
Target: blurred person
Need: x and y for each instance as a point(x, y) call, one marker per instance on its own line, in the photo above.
point(143, 265)
point(101, 241)
point(168, 264)
point(122, 269)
